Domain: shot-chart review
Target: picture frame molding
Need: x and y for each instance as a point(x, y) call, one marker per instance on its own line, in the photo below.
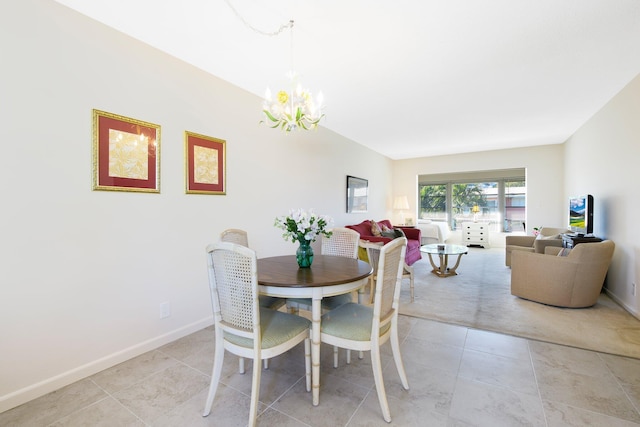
point(195, 165)
point(111, 158)
point(357, 202)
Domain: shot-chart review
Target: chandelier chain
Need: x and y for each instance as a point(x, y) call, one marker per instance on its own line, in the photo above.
point(257, 30)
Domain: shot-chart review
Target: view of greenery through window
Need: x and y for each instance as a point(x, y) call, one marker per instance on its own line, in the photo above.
point(502, 203)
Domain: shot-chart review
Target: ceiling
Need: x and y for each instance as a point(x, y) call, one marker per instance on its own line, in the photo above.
point(409, 78)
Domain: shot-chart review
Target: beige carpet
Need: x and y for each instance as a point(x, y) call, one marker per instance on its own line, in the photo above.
point(479, 297)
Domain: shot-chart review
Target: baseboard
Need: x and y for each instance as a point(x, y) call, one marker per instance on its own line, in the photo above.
point(41, 388)
point(622, 303)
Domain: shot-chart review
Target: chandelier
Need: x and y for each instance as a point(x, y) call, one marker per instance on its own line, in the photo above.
point(292, 108)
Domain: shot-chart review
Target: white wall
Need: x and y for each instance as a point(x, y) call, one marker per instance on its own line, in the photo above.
point(602, 160)
point(84, 272)
point(544, 165)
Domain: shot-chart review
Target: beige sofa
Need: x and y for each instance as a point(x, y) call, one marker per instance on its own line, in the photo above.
point(548, 236)
point(573, 281)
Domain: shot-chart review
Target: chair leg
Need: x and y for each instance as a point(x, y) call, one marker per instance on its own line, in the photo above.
point(335, 356)
point(255, 393)
point(241, 365)
point(408, 270)
point(397, 357)
point(307, 362)
point(216, 373)
point(376, 365)
point(265, 362)
point(348, 357)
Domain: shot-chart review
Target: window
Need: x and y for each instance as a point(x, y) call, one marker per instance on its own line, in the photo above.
point(500, 197)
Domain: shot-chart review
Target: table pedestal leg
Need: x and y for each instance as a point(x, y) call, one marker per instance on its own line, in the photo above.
point(452, 270)
point(316, 314)
point(443, 270)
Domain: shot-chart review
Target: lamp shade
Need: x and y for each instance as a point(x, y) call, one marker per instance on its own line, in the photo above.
point(401, 203)
point(475, 209)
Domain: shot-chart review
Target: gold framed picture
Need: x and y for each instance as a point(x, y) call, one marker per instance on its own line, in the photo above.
point(205, 164)
point(126, 154)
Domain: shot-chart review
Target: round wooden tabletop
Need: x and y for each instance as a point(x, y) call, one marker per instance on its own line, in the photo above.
point(326, 270)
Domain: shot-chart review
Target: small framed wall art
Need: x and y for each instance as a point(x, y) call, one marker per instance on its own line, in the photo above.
point(205, 164)
point(357, 194)
point(126, 154)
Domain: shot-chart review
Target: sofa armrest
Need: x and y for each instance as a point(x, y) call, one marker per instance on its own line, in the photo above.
point(412, 233)
point(540, 244)
point(526, 241)
point(552, 250)
point(543, 278)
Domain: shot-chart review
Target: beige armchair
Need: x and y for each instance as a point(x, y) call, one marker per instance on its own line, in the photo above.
point(573, 281)
point(548, 236)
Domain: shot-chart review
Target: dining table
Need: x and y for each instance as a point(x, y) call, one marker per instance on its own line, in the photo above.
point(280, 276)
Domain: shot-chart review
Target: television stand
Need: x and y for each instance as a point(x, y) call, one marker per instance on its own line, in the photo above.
point(571, 240)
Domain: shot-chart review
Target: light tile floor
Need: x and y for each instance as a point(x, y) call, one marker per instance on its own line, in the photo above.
point(458, 377)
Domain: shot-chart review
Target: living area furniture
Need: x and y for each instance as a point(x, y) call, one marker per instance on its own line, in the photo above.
point(475, 233)
point(572, 281)
point(433, 231)
point(443, 252)
point(242, 326)
point(571, 240)
point(365, 328)
point(281, 277)
point(548, 236)
point(413, 235)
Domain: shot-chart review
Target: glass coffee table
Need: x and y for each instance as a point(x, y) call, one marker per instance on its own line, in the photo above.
point(443, 252)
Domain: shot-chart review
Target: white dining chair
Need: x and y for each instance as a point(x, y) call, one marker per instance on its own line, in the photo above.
point(365, 328)
point(242, 326)
point(373, 255)
point(342, 242)
point(241, 237)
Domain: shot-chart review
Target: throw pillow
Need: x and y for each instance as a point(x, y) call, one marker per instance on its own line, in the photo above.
point(375, 229)
point(393, 233)
point(384, 228)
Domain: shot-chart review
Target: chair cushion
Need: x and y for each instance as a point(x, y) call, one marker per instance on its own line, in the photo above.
point(276, 328)
point(350, 321)
point(271, 302)
point(328, 303)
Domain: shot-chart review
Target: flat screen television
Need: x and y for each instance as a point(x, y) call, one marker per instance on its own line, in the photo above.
point(581, 214)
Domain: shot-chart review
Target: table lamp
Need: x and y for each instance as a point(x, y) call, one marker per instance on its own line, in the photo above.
point(400, 203)
point(475, 209)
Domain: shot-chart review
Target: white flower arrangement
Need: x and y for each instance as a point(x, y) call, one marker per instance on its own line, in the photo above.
point(301, 225)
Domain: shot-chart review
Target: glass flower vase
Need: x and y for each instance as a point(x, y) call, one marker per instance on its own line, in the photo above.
point(304, 254)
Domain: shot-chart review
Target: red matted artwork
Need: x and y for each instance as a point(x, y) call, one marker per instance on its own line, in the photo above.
point(205, 164)
point(126, 154)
